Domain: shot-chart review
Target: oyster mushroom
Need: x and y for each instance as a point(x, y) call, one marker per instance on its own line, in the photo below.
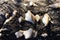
point(29, 17)
point(46, 19)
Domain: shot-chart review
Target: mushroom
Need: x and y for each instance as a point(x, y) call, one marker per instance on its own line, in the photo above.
point(44, 34)
point(32, 4)
point(14, 12)
point(20, 19)
point(46, 19)
point(29, 17)
point(37, 17)
point(28, 33)
point(7, 15)
point(19, 34)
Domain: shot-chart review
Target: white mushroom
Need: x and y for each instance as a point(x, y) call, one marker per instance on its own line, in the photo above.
point(28, 33)
point(32, 4)
point(44, 34)
point(6, 15)
point(29, 17)
point(14, 12)
point(19, 34)
point(37, 17)
point(46, 19)
point(20, 19)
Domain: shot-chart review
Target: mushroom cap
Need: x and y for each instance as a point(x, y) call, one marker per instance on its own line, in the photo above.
point(28, 16)
point(28, 33)
point(19, 34)
point(46, 19)
point(37, 17)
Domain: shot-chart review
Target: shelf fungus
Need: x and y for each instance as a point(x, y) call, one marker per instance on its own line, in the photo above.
point(29, 17)
point(46, 19)
point(55, 5)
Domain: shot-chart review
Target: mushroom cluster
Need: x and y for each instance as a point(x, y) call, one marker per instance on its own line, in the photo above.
point(29, 19)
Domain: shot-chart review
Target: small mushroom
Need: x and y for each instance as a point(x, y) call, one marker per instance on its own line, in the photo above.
point(29, 17)
point(20, 19)
point(28, 33)
point(46, 19)
point(14, 12)
point(37, 17)
point(32, 4)
point(19, 34)
point(44, 34)
point(7, 15)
